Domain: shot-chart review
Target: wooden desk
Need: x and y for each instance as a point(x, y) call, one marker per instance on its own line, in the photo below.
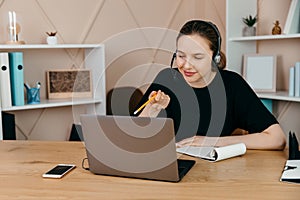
point(252, 176)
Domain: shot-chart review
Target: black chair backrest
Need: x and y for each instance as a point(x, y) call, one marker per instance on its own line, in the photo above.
point(122, 100)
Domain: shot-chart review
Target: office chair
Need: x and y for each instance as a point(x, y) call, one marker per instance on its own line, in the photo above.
point(122, 100)
point(119, 101)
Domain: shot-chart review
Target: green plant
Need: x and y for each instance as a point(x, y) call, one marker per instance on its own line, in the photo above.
point(51, 33)
point(249, 20)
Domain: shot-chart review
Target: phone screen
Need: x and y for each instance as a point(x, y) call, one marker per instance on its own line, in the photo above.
point(58, 171)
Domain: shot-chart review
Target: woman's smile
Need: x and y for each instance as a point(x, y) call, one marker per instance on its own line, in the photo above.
point(188, 73)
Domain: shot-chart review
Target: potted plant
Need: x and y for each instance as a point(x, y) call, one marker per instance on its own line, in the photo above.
point(249, 29)
point(51, 39)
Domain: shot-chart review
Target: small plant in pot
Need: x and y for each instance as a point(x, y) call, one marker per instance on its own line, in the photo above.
point(51, 39)
point(249, 29)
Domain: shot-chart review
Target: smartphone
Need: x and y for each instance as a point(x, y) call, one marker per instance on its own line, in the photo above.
point(59, 171)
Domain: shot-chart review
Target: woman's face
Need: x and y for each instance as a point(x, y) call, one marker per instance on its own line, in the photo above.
point(194, 60)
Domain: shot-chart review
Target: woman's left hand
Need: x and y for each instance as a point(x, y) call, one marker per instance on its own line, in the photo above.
point(197, 141)
point(192, 141)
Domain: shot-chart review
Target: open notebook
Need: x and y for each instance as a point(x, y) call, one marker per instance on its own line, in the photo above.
point(291, 171)
point(214, 153)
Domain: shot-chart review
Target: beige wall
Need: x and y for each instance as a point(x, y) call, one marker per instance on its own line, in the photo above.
point(132, 59)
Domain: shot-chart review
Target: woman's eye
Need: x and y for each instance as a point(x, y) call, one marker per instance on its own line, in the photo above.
point(198, 57)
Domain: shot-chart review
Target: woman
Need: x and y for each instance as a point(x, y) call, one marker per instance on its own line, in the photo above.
point(210, 105)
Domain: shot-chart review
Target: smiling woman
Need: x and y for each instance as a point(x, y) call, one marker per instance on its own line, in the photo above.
point(190, 55)
point(207, 103)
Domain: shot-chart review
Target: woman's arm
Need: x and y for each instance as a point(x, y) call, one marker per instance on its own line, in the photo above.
point(272, 138)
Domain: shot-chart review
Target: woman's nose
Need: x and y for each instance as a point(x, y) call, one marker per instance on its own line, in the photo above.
point(187, 64)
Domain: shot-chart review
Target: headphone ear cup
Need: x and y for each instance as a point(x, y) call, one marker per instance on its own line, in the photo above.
point(217, 59)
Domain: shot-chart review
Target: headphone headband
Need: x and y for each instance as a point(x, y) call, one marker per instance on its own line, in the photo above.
point(217, 56)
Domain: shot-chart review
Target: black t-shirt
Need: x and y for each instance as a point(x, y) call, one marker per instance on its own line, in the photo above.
point(225, 104)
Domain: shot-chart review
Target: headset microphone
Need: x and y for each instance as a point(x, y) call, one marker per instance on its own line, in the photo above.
point(171, 65)
point(173, 58)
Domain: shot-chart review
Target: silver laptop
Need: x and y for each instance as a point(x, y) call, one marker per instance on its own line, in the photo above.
point(136, 147)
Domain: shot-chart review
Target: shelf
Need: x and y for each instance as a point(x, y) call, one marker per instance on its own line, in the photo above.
point(53, 103)
point(47, 46)
point(264, 37)
point(280, 95)
point(92, 57)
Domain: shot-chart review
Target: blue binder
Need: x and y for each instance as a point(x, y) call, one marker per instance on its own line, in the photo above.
point(16, 78)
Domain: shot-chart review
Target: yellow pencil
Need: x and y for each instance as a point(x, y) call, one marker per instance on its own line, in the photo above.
point(142, 106)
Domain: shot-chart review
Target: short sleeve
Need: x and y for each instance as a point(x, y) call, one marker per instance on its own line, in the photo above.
point(252, 115)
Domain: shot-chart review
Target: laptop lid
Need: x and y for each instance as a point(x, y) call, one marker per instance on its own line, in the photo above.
point(136, 147)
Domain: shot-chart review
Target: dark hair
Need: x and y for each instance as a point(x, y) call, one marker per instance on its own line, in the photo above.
point(209, 31)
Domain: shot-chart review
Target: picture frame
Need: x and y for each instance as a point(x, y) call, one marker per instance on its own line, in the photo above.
point(293, 19)
point(259, 70)
point(68, 83)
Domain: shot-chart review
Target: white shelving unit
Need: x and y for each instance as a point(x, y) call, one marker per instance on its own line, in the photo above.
point(93, 59)
point(237, 45)
point(54, 103)
point(264, 37)
point(280, 95)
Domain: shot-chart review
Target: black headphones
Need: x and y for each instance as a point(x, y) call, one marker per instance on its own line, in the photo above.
point(217, 56)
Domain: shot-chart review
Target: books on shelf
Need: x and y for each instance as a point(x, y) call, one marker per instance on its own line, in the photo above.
point(5, 90)
point(294, 80)
point(16, 78)
point(214, 153)
point(11, 79)
point(293, 18)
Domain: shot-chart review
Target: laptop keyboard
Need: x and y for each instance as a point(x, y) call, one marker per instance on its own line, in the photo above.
point(184, 166)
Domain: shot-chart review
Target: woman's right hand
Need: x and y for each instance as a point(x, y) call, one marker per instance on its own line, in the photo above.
point(159, 102)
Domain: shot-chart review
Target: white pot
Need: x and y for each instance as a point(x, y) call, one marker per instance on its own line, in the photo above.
point(52, 40)
point(249, 31)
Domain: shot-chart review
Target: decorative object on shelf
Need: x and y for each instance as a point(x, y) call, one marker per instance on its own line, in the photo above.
point(14, 29)
point(276, 30)
point(51, 39)
point(249, 29)
point(259, 71)
point(33, 93)
point(68, 83)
